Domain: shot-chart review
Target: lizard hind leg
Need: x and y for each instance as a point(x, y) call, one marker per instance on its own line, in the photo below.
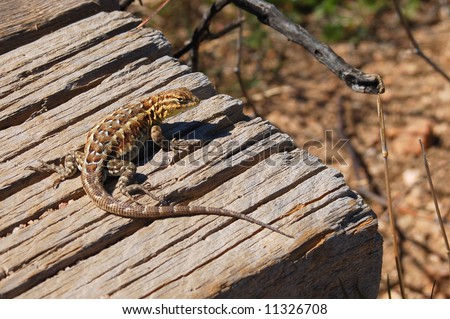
point(126, 171)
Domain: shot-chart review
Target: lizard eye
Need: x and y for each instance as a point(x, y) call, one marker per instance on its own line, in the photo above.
point(181, 100)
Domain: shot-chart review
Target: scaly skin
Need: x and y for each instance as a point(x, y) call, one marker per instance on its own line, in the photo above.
point(121, 135)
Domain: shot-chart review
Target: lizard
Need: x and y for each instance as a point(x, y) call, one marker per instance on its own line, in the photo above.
point(119, 136)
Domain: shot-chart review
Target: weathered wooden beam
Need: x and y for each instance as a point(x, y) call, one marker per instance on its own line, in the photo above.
point(57, 243)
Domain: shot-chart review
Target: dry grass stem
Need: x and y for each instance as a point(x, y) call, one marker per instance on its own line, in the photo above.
point(436, 204)
point(384, 152)
point(144, 22)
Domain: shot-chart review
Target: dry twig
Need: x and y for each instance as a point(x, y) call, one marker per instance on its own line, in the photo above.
point(432, 290)
point(201, 32)
point(268, 14)
point(416, 47)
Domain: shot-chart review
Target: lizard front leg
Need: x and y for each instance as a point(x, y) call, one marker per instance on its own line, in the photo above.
point(72, 163)
point(126, 171)
point(175, 145)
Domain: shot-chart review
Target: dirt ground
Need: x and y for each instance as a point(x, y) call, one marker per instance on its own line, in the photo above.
point(301, 97)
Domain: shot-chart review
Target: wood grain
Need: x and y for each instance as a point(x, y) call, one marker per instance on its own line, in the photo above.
point(56, 244)
point(75, 74)
point(22, 22)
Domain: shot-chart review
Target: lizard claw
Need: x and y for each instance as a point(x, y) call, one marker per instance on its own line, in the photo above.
point(57, 182)
point(181, 148)
point(164, 202)
point(36, 169)
point(149, 186)
point(183, 145)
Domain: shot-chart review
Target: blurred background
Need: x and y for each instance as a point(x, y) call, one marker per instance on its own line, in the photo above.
point(288, 87)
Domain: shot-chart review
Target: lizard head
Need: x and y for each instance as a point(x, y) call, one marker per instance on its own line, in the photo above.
point(176, 101)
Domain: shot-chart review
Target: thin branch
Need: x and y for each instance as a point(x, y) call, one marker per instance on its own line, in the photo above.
point(225, 30)
point(268, 14)
point(432, 290)
point(201, 32)
point(416, 47)
point(203, 35)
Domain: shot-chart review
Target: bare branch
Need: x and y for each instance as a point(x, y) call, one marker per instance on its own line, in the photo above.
point(268, 14)
point(201, 32)
point(226, 29)
point(414, 43)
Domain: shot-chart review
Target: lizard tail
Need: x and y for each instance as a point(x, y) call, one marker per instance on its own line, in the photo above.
point(93, 186)
point(172, 211)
